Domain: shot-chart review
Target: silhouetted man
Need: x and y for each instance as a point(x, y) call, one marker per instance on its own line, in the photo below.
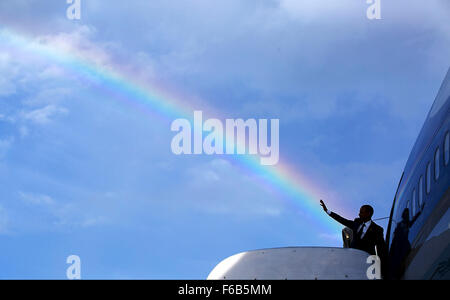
point(366, 234)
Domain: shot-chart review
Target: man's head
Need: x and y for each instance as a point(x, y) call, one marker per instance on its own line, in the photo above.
point(366, 212)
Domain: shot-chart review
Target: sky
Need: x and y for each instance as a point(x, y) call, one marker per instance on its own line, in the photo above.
point(86, 166)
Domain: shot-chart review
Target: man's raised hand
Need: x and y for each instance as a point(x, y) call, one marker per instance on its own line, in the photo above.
point(323, 205)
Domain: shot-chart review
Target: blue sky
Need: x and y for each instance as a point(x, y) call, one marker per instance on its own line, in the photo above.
point(83, 174)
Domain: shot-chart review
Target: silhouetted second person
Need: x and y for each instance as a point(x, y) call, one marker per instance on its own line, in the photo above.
point(366, 234)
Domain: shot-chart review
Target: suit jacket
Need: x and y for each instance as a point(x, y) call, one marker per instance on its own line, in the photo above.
point(373, 236)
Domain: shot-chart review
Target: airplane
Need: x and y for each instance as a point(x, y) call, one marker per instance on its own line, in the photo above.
point(418, 232)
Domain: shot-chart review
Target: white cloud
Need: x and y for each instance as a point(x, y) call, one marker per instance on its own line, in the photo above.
point(214, 171)
point(93, 221)
point(44, 115)
point(77, 43)
point(37, 199)
point(7, 118)
point(65, 214)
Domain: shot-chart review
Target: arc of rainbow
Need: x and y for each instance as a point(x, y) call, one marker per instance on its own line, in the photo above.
point(292, 184)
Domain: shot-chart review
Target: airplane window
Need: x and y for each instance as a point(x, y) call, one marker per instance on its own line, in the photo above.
point(428, 178)
point(446, 148)
point(420, 191)
point(413, 203)
point(436, 165)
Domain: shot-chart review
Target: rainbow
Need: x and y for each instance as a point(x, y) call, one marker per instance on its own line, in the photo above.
point(290, 184)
